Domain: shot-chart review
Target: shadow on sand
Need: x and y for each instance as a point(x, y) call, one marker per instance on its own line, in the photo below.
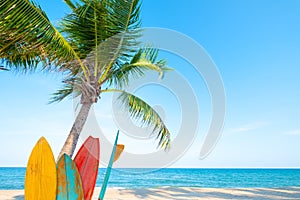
point(207, 193)
point(180, 193)
point(18, 197)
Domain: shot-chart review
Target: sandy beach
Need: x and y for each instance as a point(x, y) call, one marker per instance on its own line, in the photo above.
point(182, 193)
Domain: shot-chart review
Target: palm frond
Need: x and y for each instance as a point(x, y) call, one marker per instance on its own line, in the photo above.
point(140, 110)
point(145, 59)
point(18, 54)
point(28, 37)
point(102, 32)
point(60, 95)
point(72, 5)
point(123, 24)
point(93, 22)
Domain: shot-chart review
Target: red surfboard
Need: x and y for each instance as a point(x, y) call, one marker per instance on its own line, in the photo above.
point(87, 162)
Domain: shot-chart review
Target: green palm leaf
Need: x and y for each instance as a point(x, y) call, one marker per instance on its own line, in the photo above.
point(143, 60)
point(123, 22)
point(67, 90)
point(140, 110)
point(28, 37)
point(93, 23)
point(61, 94)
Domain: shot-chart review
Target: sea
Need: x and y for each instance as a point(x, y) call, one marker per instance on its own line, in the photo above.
point(13, 178)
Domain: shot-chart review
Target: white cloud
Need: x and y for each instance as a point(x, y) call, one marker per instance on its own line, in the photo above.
point(293, 132)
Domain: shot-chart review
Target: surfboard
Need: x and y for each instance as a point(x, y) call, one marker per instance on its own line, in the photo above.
point(87, 162)
point(119, 151)
point(69, 185)
point(108, 170)
point(40, 178)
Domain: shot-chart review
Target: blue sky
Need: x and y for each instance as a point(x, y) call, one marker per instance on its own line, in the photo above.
point(255, 45)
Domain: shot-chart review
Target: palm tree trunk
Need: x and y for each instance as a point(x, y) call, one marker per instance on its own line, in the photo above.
point(72, 139)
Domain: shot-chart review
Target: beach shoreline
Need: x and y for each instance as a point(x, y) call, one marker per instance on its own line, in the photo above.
point(182, 193)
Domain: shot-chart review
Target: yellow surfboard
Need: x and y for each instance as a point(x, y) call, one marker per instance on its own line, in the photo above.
point(40, 179)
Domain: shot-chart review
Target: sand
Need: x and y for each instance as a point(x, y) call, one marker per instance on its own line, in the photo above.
point(182, 193)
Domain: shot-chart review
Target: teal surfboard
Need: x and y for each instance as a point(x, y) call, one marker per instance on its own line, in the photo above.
point(108, 170)
point(69, 186)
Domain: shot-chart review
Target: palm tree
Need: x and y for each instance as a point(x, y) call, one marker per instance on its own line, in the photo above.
point(94, 46)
